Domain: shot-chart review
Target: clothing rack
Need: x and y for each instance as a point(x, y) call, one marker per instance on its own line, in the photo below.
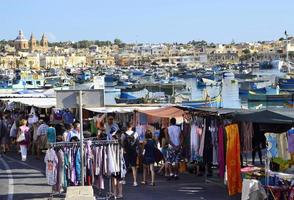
point(94, 142)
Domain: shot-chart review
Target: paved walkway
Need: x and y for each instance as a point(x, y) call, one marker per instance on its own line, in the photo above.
point(26, 180)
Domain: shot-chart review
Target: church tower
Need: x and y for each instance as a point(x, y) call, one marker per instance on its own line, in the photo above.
point(44, 42)
point(33, 43)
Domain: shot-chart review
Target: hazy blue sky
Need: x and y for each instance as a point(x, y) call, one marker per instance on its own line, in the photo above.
point(148, 20)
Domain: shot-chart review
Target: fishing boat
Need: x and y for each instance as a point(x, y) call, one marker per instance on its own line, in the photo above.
point(203, 82)
point(207, 102)
point(110, 80)
point(228, 75)
point(282, 97)
point(128, 99)
point(286, 83)
point(257, 86)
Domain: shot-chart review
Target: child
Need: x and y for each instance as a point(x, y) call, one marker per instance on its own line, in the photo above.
point(149, 157)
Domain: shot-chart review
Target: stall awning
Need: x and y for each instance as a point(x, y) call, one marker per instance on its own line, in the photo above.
point(37, 102)
point(209, 110)
point(166, 112)
point(124, 109)
point(269, 116)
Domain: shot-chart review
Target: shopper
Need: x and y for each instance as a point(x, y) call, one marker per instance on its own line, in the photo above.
point(111, 127)
point(68, 132)
point(23, 138)
point(149, 157)
point(51, 134)
point(164, 148)
point(41, 137)
point(5, 126)
point(130, 145)
point(174, 150)
point(74, 131)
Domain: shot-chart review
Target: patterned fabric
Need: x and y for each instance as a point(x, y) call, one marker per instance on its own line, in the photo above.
point(283, 146)
point(291, 143)
point(233, 160)
point(173, 155)
point(221, 152)
point(42, 130)
point(246, 133)
point(272, 150)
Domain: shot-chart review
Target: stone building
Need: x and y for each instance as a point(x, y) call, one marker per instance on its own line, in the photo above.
point(22, 44)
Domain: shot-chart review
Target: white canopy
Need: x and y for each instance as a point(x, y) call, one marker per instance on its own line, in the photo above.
point(37, 102)
point(116, 109)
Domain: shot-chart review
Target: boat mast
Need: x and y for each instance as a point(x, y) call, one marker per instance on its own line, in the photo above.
point(287, 44)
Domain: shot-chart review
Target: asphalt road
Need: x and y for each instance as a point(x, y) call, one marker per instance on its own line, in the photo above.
point(26, 180)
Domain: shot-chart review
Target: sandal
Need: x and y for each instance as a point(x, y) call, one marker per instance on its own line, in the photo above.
point(143, 182)
point(119, 197)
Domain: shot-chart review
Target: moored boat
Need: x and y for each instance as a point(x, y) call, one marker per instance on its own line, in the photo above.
point(282, 97)
point(207, 102)
point(128, 99)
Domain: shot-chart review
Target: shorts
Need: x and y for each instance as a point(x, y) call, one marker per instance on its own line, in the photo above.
point(42, 142)
point(173, 155)
point(148, 160)
point(164, 152)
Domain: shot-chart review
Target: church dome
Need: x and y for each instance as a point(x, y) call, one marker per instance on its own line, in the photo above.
point(20, 36)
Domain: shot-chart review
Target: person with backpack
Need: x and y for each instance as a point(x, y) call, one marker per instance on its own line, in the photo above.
point(130, 144)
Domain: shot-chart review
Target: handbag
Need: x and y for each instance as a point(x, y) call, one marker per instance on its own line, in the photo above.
point(158, 155)
point(21, 137)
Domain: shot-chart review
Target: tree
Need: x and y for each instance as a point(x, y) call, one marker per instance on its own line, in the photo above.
point(117, 41)
point(246, 51)
point(281, 39)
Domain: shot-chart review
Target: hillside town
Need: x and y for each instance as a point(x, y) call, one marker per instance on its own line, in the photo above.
point(40, 53)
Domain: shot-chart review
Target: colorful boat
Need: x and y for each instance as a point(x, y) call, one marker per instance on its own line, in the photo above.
point(129, 99)
point(208, 102)
point(282, 97)
point(286, 84)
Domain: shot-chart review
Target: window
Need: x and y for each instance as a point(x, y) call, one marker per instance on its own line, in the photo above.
point(38, 82)
point(29, 82)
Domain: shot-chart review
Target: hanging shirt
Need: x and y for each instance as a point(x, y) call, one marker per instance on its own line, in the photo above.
point(51, 162)
point(283, 146)
point(78, 165)
point(174, 133)
point(291, 140)
point(272, 150)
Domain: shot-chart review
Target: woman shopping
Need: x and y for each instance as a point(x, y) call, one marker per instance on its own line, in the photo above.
point(23, 138)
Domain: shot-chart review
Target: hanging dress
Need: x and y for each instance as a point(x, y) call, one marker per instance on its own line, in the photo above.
point(233, 160)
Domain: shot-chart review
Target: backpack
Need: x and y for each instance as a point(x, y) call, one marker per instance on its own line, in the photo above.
point(130, 141)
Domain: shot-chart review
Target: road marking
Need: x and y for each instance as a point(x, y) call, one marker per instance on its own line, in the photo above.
point(10, 179)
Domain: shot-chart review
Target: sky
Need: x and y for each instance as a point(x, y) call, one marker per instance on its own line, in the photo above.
point(148, 21)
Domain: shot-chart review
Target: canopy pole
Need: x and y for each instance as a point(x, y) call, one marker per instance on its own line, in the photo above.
point(81, 135)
